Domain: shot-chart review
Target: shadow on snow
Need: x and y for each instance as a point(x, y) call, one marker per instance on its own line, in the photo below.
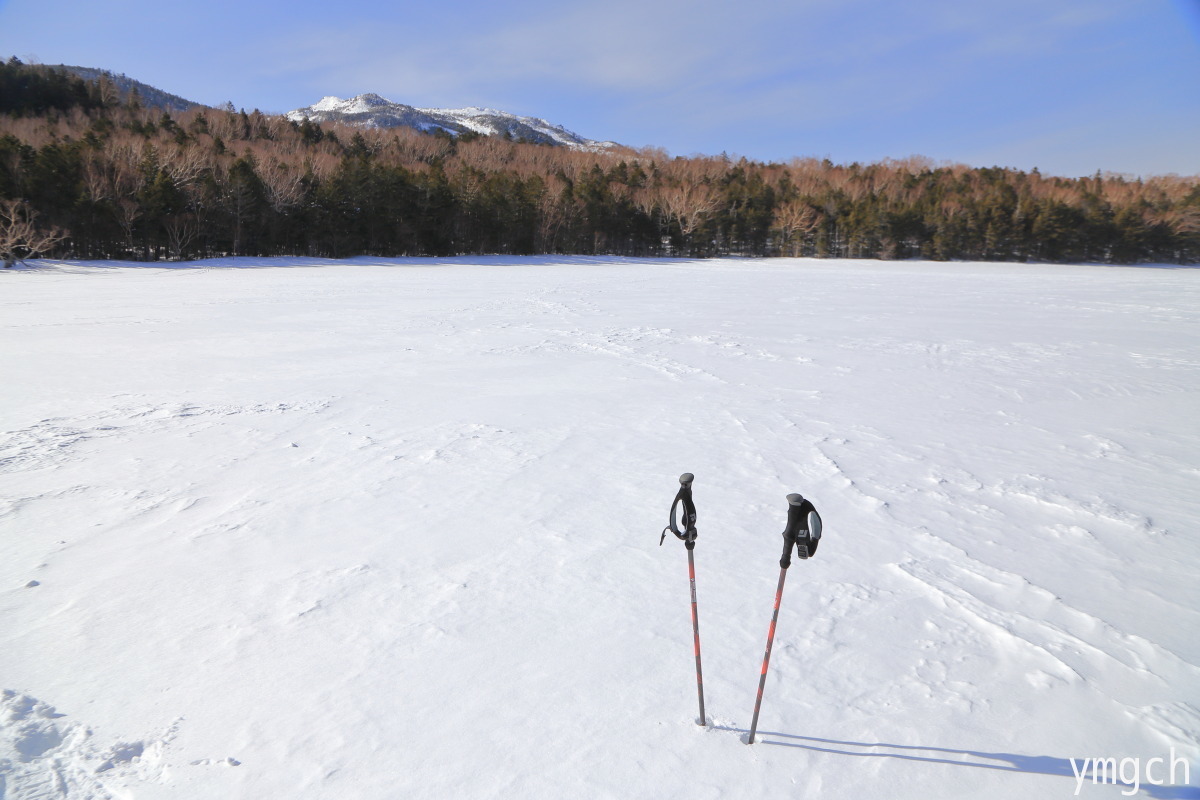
point(1001, 762)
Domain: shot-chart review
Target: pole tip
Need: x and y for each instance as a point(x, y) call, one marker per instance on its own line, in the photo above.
point(686, 478)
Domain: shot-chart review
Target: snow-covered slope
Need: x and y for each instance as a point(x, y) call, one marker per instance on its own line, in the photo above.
point(387, 529)
point(373, 111)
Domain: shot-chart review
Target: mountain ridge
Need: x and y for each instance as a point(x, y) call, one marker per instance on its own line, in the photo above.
point(150, 96)
point(371, 110)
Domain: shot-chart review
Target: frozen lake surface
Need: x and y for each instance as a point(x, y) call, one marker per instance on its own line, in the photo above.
point(389, 528)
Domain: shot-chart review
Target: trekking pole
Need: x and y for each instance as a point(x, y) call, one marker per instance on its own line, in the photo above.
point(688, 537)
point(804, 531)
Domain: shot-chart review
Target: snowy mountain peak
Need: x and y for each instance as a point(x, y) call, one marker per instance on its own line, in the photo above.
point(329, 103)
point(372, 111)
point(361, 104)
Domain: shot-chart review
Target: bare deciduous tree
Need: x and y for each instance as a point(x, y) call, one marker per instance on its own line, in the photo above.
point(20, 237)
point(689, 204)
point(185, 165)
point(285, 186)
point(796, 222)
point(181, 230)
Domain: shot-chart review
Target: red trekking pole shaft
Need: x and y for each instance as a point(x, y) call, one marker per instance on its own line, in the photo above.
point(803, 532)
point(762, 679)
point(696, 634)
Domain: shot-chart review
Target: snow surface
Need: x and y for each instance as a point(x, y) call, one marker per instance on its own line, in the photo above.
point(468, 117)
point(329, 103)
point(380, 529)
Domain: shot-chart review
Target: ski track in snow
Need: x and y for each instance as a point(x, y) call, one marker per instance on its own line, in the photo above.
point(378, 529)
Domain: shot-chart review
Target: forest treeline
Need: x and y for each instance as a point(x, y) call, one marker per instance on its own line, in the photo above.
point(117, 180)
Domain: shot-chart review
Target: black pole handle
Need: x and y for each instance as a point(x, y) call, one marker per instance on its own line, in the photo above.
point(803, 530)
point(689, 509)
point(684, 497)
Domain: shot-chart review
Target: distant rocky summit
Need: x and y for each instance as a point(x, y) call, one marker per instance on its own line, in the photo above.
point(373, 111)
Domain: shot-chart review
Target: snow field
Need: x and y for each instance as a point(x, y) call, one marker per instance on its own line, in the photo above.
point(380, 529)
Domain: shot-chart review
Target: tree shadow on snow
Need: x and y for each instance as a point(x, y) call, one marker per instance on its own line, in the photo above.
point(284, 262)
point(1002, 762)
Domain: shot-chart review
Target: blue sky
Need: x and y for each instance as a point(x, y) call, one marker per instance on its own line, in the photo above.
point(1069, 86)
